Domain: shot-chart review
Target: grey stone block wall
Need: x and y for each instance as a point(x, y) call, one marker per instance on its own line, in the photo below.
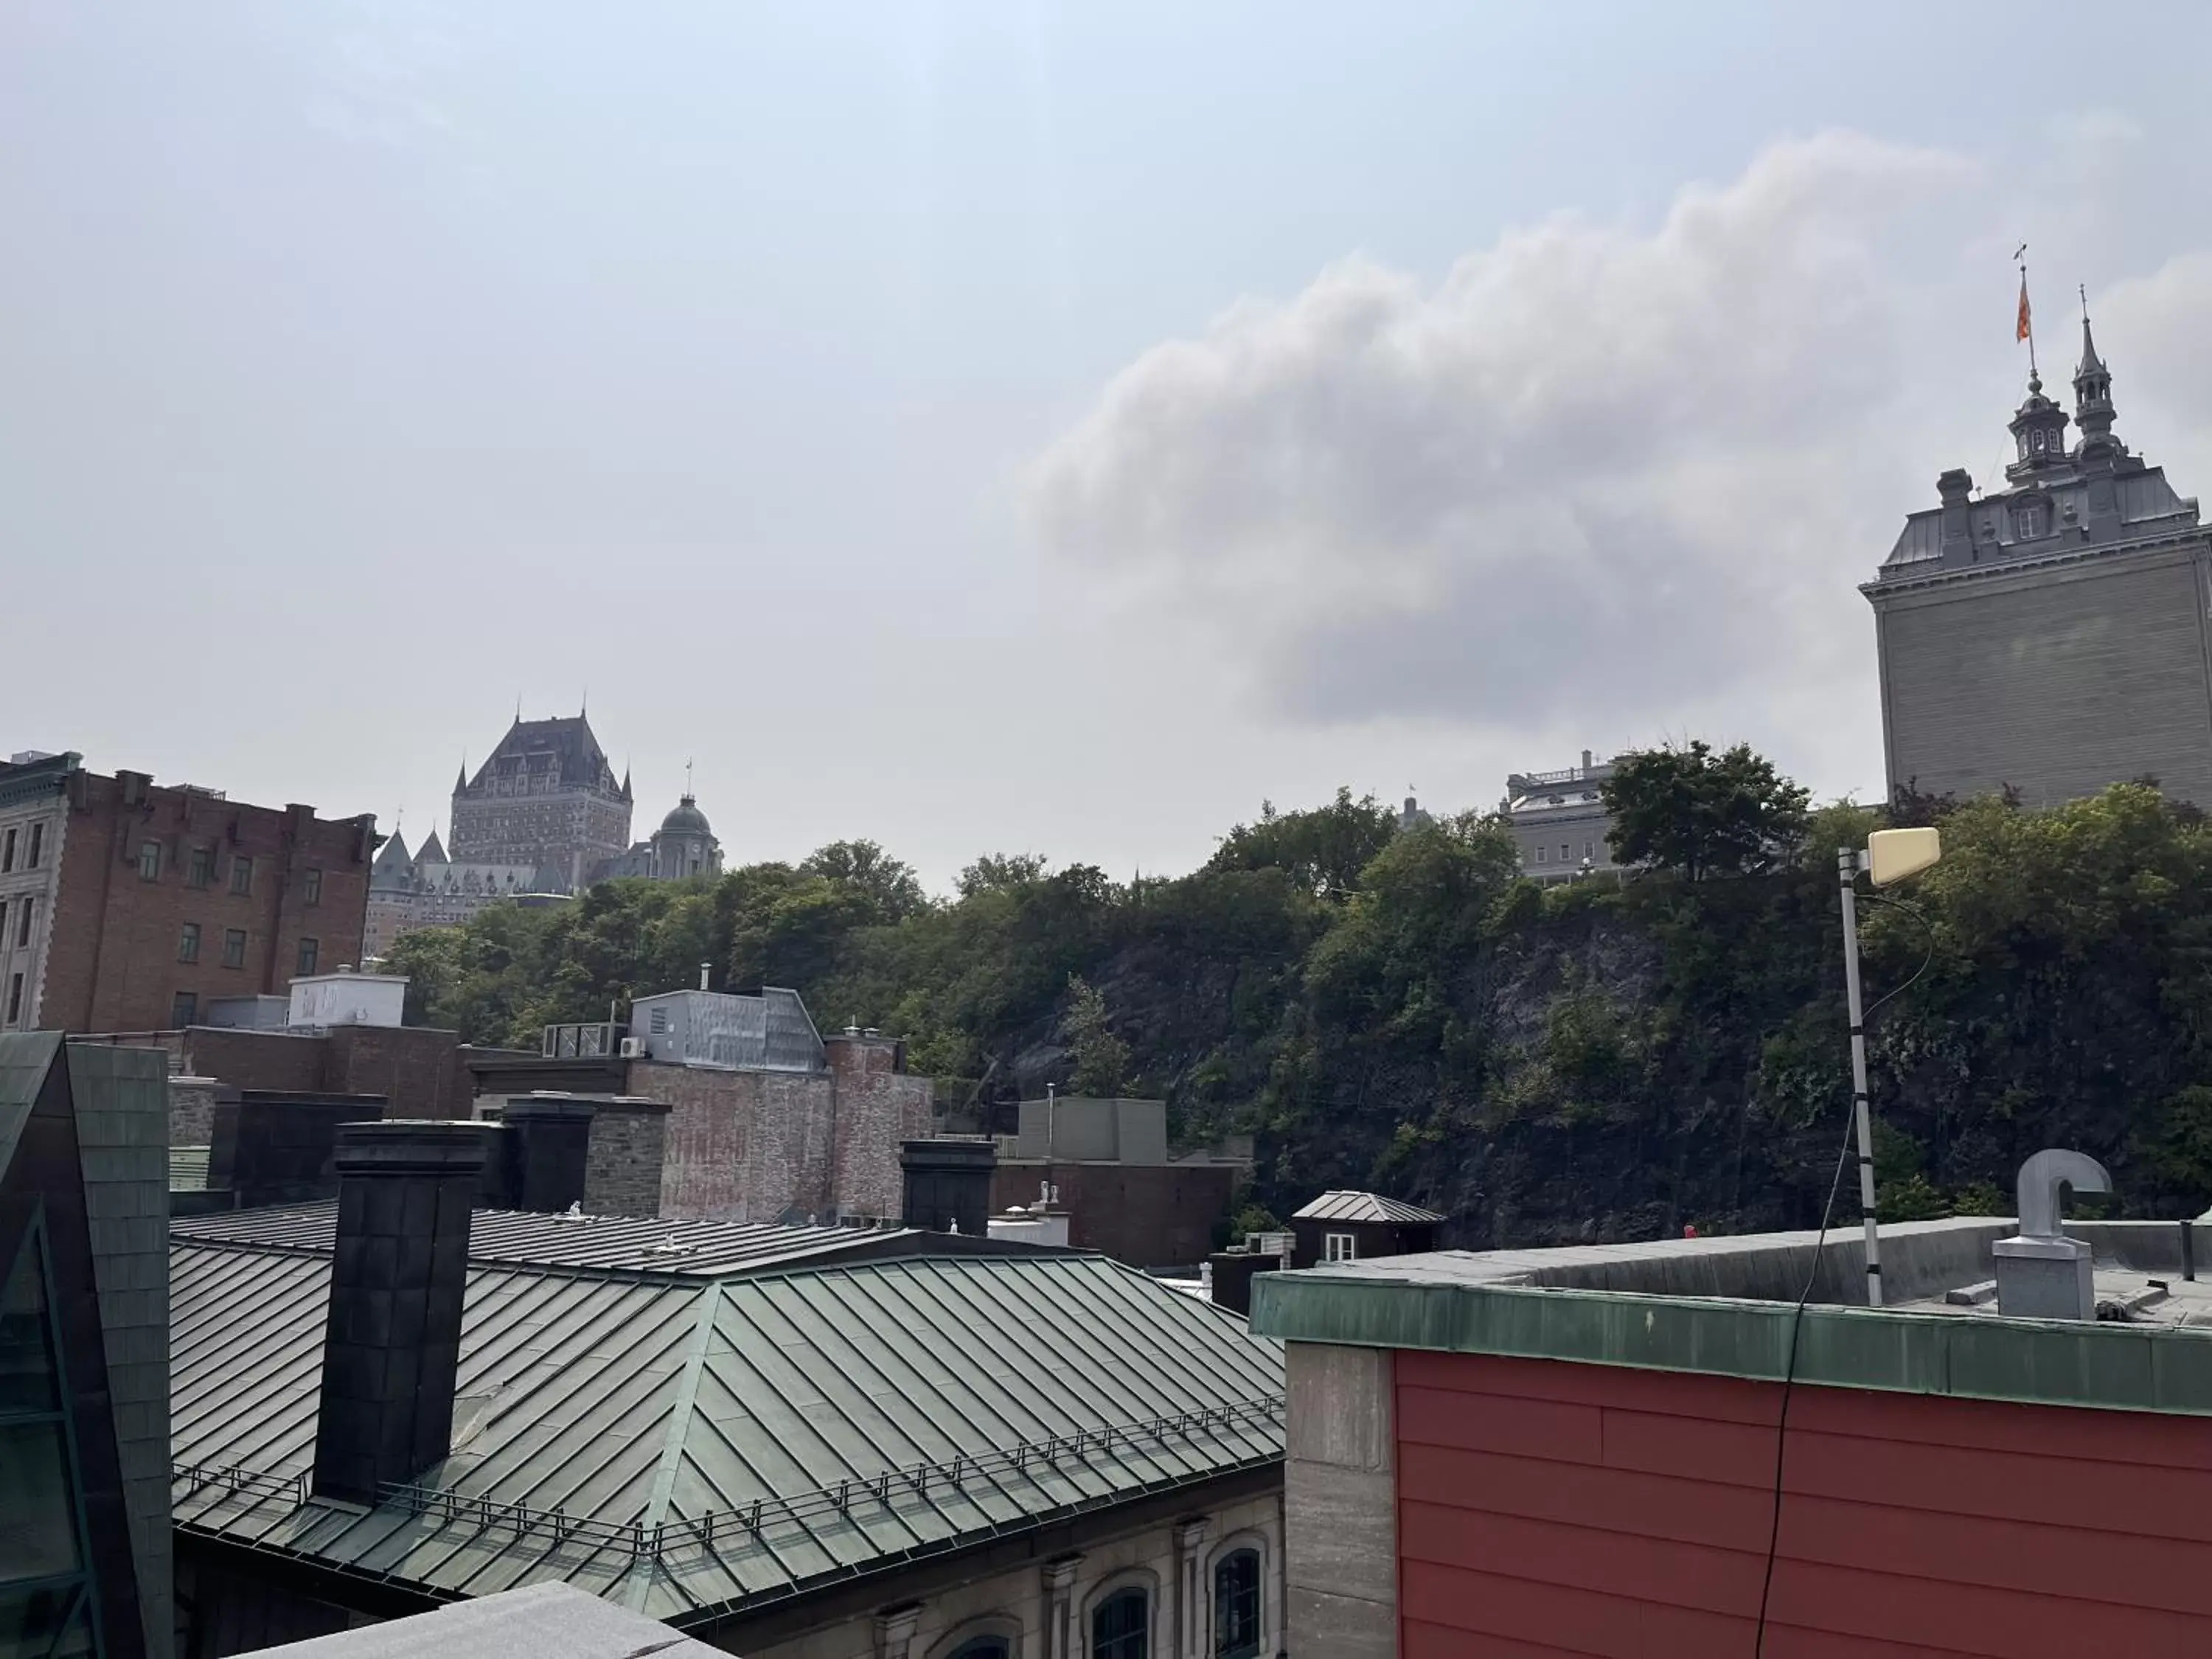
point(122, 1106)
point(191, 1110)
point(2057, 680)
point(622, 1163)
point(1341, 1503)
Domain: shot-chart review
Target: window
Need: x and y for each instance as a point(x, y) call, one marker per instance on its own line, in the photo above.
point(314, 884)
point(1121, 1626)
point(1589, 850)
point(201, 872)
point(8, 854)
point(1566, 853)
point(2027, 523)
point(3, 924)
point(188, 942)
point(38, 842)
point(1543, 856)
point(307, 958)
point(241, 875)
point(15, 997)
point(183, 1009)
point(233, 947)
point(1339, 1247)
point(23, 923)
point(150, 860)
point(984, 1646)
point(1236, 1605)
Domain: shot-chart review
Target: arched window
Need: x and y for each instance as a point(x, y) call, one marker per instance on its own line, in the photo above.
point(1121, 1626)
point(1236, 1605)
point(983, 1647)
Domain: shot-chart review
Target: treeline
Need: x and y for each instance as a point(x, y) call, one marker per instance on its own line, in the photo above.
point(1602, 1059)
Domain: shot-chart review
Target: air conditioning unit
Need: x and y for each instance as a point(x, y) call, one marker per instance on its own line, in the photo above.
point(633, 1049)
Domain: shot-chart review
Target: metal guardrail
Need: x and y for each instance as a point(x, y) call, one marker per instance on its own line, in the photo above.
point(641, 1541)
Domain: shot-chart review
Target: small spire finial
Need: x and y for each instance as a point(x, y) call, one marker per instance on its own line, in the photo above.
point(687, 779)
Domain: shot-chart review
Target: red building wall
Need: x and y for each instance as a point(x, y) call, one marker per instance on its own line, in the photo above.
point(113, 966)
point(1553, 1509)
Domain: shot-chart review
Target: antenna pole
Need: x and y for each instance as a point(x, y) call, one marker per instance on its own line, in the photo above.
point(1847, 872)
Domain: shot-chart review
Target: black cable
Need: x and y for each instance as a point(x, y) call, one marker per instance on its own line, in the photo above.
point(1812, 1273)
point(1789, 1379)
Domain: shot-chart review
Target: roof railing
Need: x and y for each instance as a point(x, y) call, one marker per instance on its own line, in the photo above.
point(747, 1523)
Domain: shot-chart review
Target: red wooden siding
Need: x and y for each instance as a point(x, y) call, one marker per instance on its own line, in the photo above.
point(1547, 1508)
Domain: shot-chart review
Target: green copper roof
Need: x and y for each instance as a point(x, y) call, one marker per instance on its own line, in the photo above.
point(2152, 1368)
point(690, 1447)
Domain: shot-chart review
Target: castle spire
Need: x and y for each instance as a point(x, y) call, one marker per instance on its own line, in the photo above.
point(2093, 385)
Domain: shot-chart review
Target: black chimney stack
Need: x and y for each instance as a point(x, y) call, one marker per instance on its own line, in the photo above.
point(392, 1348)
point(948, 1185)
point(275, 1146)
point(539, 1163)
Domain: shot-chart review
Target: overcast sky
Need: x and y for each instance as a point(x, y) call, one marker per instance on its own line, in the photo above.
point(998, 427)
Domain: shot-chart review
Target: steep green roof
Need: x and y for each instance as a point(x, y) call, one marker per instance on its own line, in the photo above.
point(689, 1449)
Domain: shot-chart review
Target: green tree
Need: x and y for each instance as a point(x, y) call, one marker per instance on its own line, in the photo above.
point(890, 886)
point(1323, 849)
point(1688, 810)
point(1101, 1060)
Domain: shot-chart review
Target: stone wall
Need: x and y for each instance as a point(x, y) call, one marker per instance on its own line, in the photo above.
point(624, 1162)
point(191, 1110)
point(2055, 680)
point(1341, 1498)
point(1171, 1557)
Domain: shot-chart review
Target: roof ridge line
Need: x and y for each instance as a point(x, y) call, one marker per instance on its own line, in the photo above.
point(680, 1414)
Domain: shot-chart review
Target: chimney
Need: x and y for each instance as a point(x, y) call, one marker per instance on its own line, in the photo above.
point(1954, 489)
point(1586, 761)
point(948, 1184)
point(2041, 1273)
point(540, 1154)
point(391, 1347)
point(276, 1146)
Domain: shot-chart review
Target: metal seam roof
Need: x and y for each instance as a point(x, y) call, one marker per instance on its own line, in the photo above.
point(1367, 1207)
point(712, 1442)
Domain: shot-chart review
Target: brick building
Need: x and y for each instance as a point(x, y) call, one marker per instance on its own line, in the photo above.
point(124, 906)
point(1109, 1165)
point(760, 1118)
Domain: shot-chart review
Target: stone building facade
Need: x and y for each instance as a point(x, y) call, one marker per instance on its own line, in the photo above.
point(546, 797)
point(1558, 820)
point(145, 904)
point(2053, 636)
point(427, 889)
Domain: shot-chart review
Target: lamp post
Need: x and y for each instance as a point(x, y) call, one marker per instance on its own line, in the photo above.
point(1890, 856)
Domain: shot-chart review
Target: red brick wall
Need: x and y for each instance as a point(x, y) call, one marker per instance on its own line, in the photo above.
point(417, 1069)
point(740, 1145)
point(112, 965)
point(878, 1105)
point(1546, 1508)
point(1148, 1215)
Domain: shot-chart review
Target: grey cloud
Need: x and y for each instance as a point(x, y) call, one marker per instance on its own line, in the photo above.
point(1588, 464)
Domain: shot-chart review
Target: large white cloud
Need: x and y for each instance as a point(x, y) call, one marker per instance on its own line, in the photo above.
point(1592, 468)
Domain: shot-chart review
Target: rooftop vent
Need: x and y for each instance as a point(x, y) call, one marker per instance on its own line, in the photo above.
point(2042, 1274)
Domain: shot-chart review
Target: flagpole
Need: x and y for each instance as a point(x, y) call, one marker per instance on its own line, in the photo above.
point(2028, 312)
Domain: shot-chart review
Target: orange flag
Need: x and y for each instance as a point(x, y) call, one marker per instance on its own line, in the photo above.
point(2022, 329)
